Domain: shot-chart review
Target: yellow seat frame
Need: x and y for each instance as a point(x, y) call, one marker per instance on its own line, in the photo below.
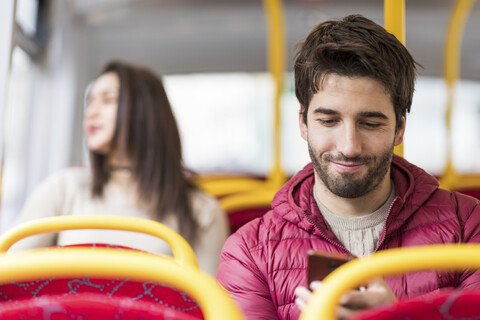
point(355, 273)
point(182, 251)
point(112, 264)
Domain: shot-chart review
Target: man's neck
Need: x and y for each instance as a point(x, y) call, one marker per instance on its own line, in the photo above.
point(355, 207)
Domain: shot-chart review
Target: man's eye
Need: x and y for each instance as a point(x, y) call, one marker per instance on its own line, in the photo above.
point(371, 125)
point(327, 122)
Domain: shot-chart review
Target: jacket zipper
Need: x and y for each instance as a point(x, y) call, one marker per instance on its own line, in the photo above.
point(336, 244)
point(384, 232)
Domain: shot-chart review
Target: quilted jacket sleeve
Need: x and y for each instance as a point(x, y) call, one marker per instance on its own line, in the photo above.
point(469, 216)
point(241, 276)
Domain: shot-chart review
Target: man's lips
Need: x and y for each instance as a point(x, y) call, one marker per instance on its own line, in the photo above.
point(348, 166)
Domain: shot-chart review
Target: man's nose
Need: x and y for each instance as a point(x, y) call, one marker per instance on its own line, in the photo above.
point(350, 141)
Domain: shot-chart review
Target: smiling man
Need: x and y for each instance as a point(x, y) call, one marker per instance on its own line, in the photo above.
point(355, 83)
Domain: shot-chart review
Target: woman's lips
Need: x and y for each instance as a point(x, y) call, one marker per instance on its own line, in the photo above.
point(91, 130)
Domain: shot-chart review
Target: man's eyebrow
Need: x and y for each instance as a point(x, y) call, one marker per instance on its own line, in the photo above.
point(373, 114)
point(325, 111)
point(366, 114)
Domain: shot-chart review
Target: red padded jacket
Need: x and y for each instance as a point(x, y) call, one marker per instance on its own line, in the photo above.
point(265, 260)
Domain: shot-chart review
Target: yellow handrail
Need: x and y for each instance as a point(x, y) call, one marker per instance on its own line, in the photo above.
point(355, 273)
point(230, 185)
point(394, 16)
point(248, 192)
point(274, 16)
point(112, 264)
point(182, 252)
point(251, 199)
point(453, 44)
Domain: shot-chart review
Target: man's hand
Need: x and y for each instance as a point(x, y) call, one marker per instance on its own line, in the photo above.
point(375, 293)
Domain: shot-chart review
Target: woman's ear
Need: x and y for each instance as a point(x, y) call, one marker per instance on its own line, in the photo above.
point(302, 123)
point(400, 131)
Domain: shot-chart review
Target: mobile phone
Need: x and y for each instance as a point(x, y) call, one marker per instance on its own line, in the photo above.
point(321, 263)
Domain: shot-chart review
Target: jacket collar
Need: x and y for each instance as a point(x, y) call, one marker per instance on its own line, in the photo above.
point(295, 203)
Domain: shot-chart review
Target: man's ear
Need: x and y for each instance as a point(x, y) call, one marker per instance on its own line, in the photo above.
point(400, 131)
point(302, 123)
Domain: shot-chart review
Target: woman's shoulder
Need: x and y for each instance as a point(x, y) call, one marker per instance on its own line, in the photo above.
point(55, 194)
point(68, 180)
point(72, 175)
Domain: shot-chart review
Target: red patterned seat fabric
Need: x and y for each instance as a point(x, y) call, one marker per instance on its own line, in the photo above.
point(157, 293)
point(450, 304)
point(87, 306)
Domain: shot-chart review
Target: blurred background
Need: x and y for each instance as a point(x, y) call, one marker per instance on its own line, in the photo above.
point(212, 55)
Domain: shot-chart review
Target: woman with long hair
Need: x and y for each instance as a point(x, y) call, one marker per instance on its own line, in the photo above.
point(136, 169)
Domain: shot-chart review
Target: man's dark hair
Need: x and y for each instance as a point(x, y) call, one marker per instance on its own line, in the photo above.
point(355, 47)
point(146, 133)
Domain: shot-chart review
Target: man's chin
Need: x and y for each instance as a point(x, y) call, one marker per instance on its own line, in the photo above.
point(348, 190)
point(347, 176)
point(345, 185)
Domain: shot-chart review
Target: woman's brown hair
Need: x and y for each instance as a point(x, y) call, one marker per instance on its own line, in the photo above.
point(147, 134)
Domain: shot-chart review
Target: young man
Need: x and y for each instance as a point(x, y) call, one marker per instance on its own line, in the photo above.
point(355, 83)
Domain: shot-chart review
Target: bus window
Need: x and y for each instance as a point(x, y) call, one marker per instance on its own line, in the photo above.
point(226, 122)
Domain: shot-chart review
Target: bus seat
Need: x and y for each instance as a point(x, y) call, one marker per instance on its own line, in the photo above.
point(240, 217)
point(448, 304)
point(35, 268)
point(473, 192)
point(246, 206)
point(87, 306)
point(158, 293)
point(122, 289)
point(389, 262)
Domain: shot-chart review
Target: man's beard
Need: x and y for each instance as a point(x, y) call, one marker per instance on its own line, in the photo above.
point(344, 184)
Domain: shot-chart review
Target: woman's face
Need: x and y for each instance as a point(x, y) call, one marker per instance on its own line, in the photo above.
point(101, 113)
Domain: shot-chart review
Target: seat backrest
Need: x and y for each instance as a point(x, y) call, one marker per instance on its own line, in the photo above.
point(35, 269)
point(473, 192)
point(449, 304)
point(355, 273)
point(244, 207)
point(240, 217)
point(87, 306)
point(158, 293)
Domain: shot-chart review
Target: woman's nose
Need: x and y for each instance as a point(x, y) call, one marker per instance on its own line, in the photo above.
point(91, 109)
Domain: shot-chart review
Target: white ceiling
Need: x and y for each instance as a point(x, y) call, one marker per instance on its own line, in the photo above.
point(179, 36)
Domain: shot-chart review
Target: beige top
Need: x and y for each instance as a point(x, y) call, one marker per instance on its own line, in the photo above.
point(359, 235)
point(68, 193)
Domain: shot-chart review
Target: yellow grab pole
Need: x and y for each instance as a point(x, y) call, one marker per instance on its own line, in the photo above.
point(394, 16)
point(274, 16)
point(453, 45)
